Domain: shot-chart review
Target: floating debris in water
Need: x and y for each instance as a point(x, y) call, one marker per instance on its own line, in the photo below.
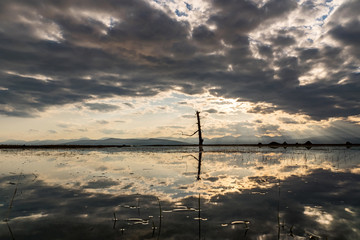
point(183, 209)
point(135, 221)
point(239, 222)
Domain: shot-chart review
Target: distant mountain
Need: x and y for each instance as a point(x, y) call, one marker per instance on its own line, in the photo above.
point(118, 141)
point(107, 141)
point(182, 141)
point(39, 142)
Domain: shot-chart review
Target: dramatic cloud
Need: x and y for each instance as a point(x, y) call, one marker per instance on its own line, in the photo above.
point(295, 56)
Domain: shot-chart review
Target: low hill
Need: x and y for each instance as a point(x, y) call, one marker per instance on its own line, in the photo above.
point(119, 141)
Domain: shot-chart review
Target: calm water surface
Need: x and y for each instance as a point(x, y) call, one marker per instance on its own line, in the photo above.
point(167, 193)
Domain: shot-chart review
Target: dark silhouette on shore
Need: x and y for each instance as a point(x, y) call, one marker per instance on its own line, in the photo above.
point(13, 146)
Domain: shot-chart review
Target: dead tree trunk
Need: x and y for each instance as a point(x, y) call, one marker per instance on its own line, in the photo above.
point(201, 140)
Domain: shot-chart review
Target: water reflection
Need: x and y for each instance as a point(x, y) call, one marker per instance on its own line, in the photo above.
point(180, 193)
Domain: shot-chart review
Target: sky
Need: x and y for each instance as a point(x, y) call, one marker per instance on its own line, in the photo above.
point(255, 69)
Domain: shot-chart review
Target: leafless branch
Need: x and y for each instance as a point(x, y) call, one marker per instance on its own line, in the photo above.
point(188, 134)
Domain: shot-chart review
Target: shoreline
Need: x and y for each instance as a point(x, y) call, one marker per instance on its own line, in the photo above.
point(61, 146)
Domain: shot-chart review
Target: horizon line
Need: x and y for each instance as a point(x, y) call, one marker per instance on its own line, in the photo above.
point(271, 145)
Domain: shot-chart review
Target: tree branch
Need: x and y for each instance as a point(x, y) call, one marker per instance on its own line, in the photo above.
point(191, 134)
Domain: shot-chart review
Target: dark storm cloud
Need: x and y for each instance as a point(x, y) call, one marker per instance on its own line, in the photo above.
point(311, 53)
point(268, 128)
point(240, 17)
point(211, 110)
point(204, 35)
point(129, 105)
point(101, 107)
point(261, 109)
point(90, 50)
point(265, 50)
point(349, 34)
point(345, 25)
point(288, 120)
point(283, 41)
point(102, 183)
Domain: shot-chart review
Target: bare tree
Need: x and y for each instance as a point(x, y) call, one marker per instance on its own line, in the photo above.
point(201, 140)
point(198, 131)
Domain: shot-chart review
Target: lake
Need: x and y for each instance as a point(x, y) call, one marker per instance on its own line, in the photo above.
point(167, 193)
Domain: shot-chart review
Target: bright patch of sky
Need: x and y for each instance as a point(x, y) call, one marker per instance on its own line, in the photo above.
point(35, 76)
point(196, 12)
point(180, 14)
point(169, 115)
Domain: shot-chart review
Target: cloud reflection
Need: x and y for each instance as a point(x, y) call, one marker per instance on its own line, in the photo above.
point(313, 192)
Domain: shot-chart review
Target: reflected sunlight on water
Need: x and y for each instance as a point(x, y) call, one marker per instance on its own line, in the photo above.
point(166, 193)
